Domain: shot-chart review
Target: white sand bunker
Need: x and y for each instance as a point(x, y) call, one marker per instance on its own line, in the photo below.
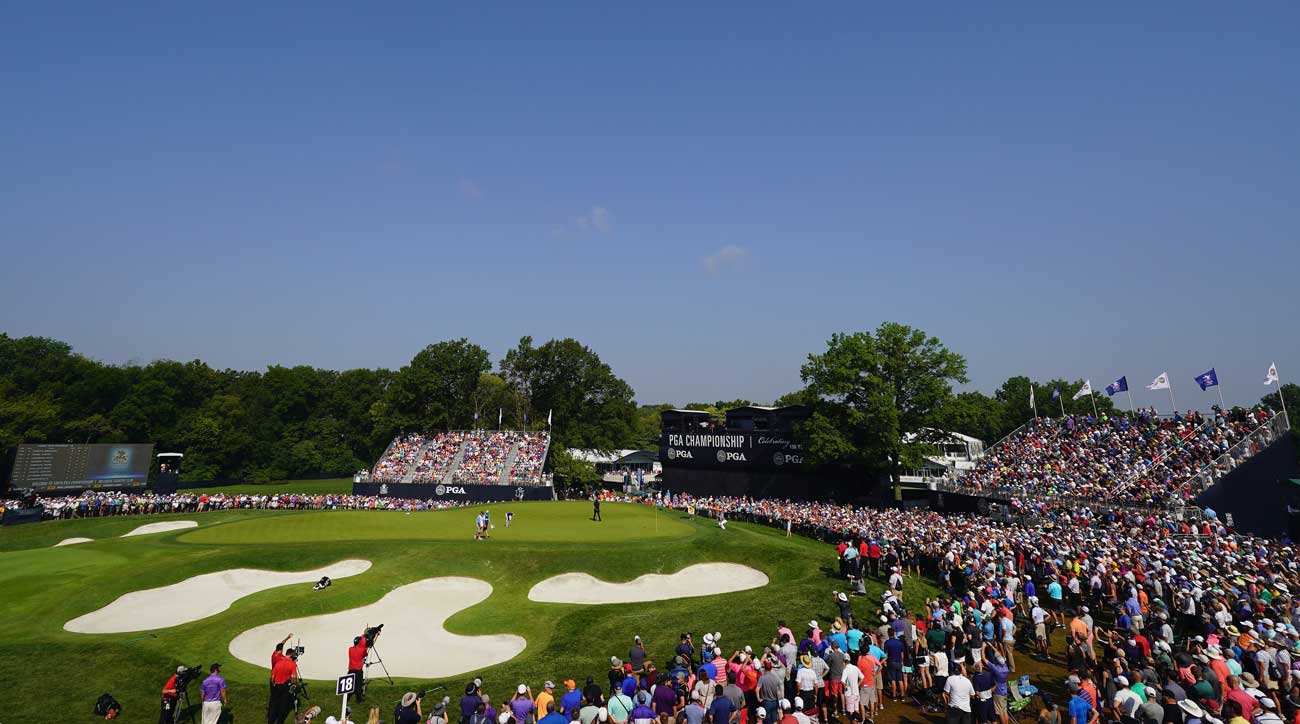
point(196, 598)
point(701, 579)
point(72, 541)
point(414, 643)
point(161, 527)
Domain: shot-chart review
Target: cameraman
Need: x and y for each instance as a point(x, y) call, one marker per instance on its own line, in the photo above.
point(278, 654)
point(283, 677)
point(357, 660)
point(169, 694)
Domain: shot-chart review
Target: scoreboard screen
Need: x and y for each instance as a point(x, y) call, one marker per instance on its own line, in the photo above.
point(81, 467)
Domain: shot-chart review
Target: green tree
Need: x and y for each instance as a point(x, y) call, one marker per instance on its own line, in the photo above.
point(878, 398)
point(436, 390)
point(591, 407)
point(974, 414)
point(648, 425)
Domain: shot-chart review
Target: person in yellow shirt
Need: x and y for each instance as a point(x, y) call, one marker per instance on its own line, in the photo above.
point(544, 698)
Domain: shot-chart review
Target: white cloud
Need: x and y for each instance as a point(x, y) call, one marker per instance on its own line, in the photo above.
point(597, 218)
point(728, 255)
point(470, 190)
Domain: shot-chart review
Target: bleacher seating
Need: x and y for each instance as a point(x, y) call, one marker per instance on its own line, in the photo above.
point(529, 459)
point(401, 455)
point(483, 456)
point(1138, 459)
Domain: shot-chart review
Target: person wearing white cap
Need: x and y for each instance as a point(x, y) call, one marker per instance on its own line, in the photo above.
point(1126, 701)
point(798, 711)
point(1268, 713)
point(347, 717)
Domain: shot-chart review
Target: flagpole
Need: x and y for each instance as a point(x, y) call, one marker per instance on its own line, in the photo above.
point(1130, 401)
point(1034, 403)
point(1280, 398)
point(1171, 399)
point(1222, 405)
point(1093, 398)
point(1061, 399)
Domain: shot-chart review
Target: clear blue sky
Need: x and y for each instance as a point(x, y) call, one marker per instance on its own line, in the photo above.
point(703, 195)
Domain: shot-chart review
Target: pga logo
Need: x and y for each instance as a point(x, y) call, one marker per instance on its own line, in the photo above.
point(444, 489)
point(725, 456)
point(783, 458)
point(674, 454)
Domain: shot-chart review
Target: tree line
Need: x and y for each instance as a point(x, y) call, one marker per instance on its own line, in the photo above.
point(878, 400)
point(294, 422)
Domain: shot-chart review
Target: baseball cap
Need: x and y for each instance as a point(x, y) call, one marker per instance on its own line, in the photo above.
point(180, 669)
point(523, 689)
point(548, 685)
point(571, 683)
point(1121, 680)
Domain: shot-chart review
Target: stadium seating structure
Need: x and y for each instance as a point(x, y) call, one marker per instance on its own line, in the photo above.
point(1140, 458)
point(479, 457)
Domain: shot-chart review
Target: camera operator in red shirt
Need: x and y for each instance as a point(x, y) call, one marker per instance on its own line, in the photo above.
point(283, 676)
point(169, 695)
point(357, 660)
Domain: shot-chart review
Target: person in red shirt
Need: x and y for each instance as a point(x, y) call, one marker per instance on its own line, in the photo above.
point(279, 650)
point(283, 676)
point(169, 694)
point(357, 661)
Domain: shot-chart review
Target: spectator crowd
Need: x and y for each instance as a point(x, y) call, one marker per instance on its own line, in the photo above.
point(1139, 458)
point(468, 457)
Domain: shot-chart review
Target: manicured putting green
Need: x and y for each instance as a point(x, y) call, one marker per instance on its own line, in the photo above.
point(533, 522)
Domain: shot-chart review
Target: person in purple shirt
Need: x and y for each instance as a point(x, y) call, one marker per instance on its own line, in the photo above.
point(665, 698)
point(721, 711)
point(214, 695)
point(522, 705)
point(469, 702)
point(642, 713)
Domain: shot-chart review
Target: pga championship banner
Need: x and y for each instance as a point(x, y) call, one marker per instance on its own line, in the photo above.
point(730, 450)
point(455, 491)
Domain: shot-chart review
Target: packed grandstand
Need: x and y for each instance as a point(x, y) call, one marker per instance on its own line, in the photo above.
point(1139, 459)
point(481, 457)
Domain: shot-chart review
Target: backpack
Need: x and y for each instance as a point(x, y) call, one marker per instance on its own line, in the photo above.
point(107, 707)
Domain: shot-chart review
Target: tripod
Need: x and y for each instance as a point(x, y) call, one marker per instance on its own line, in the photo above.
point(183, 712)
point(299, 691)
point(378, 660)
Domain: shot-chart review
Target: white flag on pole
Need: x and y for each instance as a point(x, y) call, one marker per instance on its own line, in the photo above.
point(1031, 395)
point(548, 418)
point(1160, 383)
point(1272, 374)
point(1084, 391)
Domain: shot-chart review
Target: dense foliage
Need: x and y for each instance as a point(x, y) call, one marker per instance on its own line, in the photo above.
point(288, 422)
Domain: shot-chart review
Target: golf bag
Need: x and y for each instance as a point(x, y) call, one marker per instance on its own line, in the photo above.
point(107, 707)
point(324, 582)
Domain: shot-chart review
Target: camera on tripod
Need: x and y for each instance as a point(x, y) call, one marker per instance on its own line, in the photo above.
point(371, 633)
point(186, 677)
point(296, 651)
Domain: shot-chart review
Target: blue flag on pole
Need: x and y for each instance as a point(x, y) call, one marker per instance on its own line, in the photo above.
point(1120, 385)
point(1207, 380)
point(1056, 392)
